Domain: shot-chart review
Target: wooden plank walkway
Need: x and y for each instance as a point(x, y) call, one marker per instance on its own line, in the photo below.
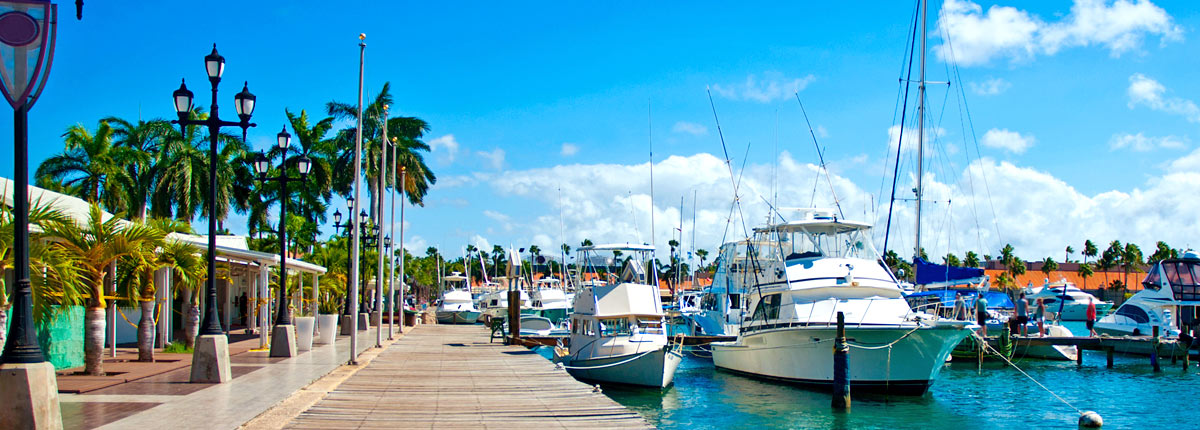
point(450, 376)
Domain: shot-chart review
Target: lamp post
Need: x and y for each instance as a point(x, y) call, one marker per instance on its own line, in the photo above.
point(353, 287)
point(210, 359)
point(283, 336)
point(403, 181)
point(29, 388)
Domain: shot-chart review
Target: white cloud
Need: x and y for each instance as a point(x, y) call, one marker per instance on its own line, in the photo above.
point(445, 144)
point(690, 128)
point(480, 242)
point(495, 157)
point(1036, 212)
point(910, 138)
point(1144, 91)
point(1007, 140)
point(977, 37)
point(569, 149)
point(772, 86)
point(990, 87)
point(1142, 143)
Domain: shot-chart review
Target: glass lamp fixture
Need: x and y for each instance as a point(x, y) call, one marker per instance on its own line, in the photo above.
point(183, 100)
point(243, 102)
point(214, 64)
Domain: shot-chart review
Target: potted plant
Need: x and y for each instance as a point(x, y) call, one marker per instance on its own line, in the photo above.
point(327, 321)
point(305, 330)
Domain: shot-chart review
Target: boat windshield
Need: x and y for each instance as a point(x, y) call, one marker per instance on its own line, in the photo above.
point(1182, 275)
point(801, 243)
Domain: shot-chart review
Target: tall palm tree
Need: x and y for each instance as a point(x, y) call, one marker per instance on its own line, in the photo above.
point(703, 254)
point(972, 259)
point(311, 141)
point(1131, 257)
point(1049, 265)
point(145, 142)
point(135, 275)
point(406, 132)
point(1089, 250)
point(90, 165)
point(97, 243)
point(1111, 257)
point(54, 277)
point(1069, 251)
point(182, 190)
point(1085, 271)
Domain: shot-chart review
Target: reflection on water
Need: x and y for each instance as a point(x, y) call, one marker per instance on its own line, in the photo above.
point(1128, 396)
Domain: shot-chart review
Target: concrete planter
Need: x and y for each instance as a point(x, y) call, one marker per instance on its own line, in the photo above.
point(305, 328)
point(327, 328)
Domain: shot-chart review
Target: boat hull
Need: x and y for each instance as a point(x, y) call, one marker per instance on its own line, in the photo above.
point(457, 317)
point(652, 369)
point(803, 355)
point(1078, 311)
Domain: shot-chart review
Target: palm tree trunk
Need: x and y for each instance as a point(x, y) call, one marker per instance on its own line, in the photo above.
point(3, 323)
point(146, 332)
point(191, 324)
point(93, 341)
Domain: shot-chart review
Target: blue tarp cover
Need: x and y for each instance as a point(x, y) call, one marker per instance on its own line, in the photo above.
point(929, 273)
point(995, 299)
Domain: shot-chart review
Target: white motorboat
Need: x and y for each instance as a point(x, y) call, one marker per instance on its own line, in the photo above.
point(618, 331)
point(1168, 300)
point(820, 266)
point(494, 303)
point(457, 306)
point(1064, 299)
point(550, 300)
point(721, 305)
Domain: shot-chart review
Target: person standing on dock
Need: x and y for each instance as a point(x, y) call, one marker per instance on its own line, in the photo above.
point(960, 308)
point(1091, 317)
point(981, 314)
point(1022, 315)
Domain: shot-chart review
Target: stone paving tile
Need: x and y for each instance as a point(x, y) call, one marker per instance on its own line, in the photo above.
point(91, 415)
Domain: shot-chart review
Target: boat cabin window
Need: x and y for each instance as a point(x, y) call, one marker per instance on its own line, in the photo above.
point(768, 308)
point(709, 302)
point(1183, 277)
point(495, 302)
point(614, 327)
point(735, 301)
point(649, 327)
point(1135, 313)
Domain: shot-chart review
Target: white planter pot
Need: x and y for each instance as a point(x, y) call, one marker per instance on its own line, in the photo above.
point(305, 328)
point(327, 325)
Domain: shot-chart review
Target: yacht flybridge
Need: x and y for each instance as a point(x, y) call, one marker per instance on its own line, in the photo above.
point(1168, 300)
point(457, 306)
point(812, 269)
point(618, 330)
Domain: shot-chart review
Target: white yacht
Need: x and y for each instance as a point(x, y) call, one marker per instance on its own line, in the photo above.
point(819, 266)
point(618, 330)
point(457, 306)
point(494, 302)
point(550, 299)
point(1064, 296)
point(1168, 300)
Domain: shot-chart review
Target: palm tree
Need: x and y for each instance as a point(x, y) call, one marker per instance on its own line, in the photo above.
point(90, 165)
point(182, 190)
point(1070, 251)
point(97, 243)
point(1162, 251)
point(1131, 257)
point(951, 260)
point(1089, 250)
point(135, 275)
point(972, 259)
point(1048, 265)
point(54, 277)
point(317, 189)
point(145, 143)
point(1085, 271)
point(703, 254)
point(407, 133)
point(1111, 257)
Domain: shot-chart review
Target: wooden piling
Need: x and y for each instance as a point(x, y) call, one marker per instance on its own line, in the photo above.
point(1154, 351)
point(1187, 349)
point(841, 367)
point(514, 316)
point(1079, 356)
point(1109, 352)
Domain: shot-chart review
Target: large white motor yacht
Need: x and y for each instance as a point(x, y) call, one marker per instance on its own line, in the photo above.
point(1072, 301)
point(1168, 300)
point(816, 267)
point(457, 306)
point(618, 330)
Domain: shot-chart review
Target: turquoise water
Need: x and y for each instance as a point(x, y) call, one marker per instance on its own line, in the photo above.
point(1128, 396)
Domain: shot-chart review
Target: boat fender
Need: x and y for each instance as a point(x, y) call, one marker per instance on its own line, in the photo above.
point(1090, 419)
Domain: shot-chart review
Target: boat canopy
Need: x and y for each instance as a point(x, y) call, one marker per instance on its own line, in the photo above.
point(1182, 275)
point(946, 297)
point(626, 299)
point(932, 273)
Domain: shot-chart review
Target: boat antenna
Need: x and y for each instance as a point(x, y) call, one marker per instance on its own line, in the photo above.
point(820, 157)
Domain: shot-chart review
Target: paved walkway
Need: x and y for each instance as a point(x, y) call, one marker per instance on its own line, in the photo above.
point(170, 401)
point(444, 376)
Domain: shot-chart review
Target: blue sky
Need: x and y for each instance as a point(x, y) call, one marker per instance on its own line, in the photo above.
point(1082, 111)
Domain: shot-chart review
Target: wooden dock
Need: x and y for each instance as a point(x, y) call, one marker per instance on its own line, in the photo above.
point(565, 341)
point(1137, 345)
point(451, 376)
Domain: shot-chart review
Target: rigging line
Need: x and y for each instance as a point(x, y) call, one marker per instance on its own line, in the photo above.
point(820, 156)
point(975, 137)
point(728, 163)
point(900, 141)
point(901, 90)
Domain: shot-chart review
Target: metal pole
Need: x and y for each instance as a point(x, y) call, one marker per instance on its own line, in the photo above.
point(920, 135)
point(379, 245)
point(211, 325)
point(281, 314)
point(403, 180)
point(22, 343)
point(362, 52)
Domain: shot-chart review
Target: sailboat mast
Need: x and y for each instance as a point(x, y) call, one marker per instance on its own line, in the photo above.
point(921, 131)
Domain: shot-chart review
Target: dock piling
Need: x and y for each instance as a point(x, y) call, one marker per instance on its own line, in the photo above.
point(1187, 349)
point(1154, 352)
point(1109, 352)
point(841, 367)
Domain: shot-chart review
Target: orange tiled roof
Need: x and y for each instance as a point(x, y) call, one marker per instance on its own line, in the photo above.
point(1093, 282)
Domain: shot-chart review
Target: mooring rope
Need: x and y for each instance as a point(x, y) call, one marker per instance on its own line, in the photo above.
point(985, 345)
point(608, 365)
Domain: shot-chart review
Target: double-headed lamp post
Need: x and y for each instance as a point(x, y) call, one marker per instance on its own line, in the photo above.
point(210, 359)
point(28, 388)
point(283, 336)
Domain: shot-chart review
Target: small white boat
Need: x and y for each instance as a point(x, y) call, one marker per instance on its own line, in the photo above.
point(457, 306)
point(1170, 294)
point(549, 299)
point(618, 331)
point(1063, 295)
point(494, 303)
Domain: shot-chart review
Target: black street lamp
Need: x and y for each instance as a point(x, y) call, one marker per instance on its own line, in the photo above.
point(214, 65)
point(262, 165)
point(349, 226)
point(28, 37)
